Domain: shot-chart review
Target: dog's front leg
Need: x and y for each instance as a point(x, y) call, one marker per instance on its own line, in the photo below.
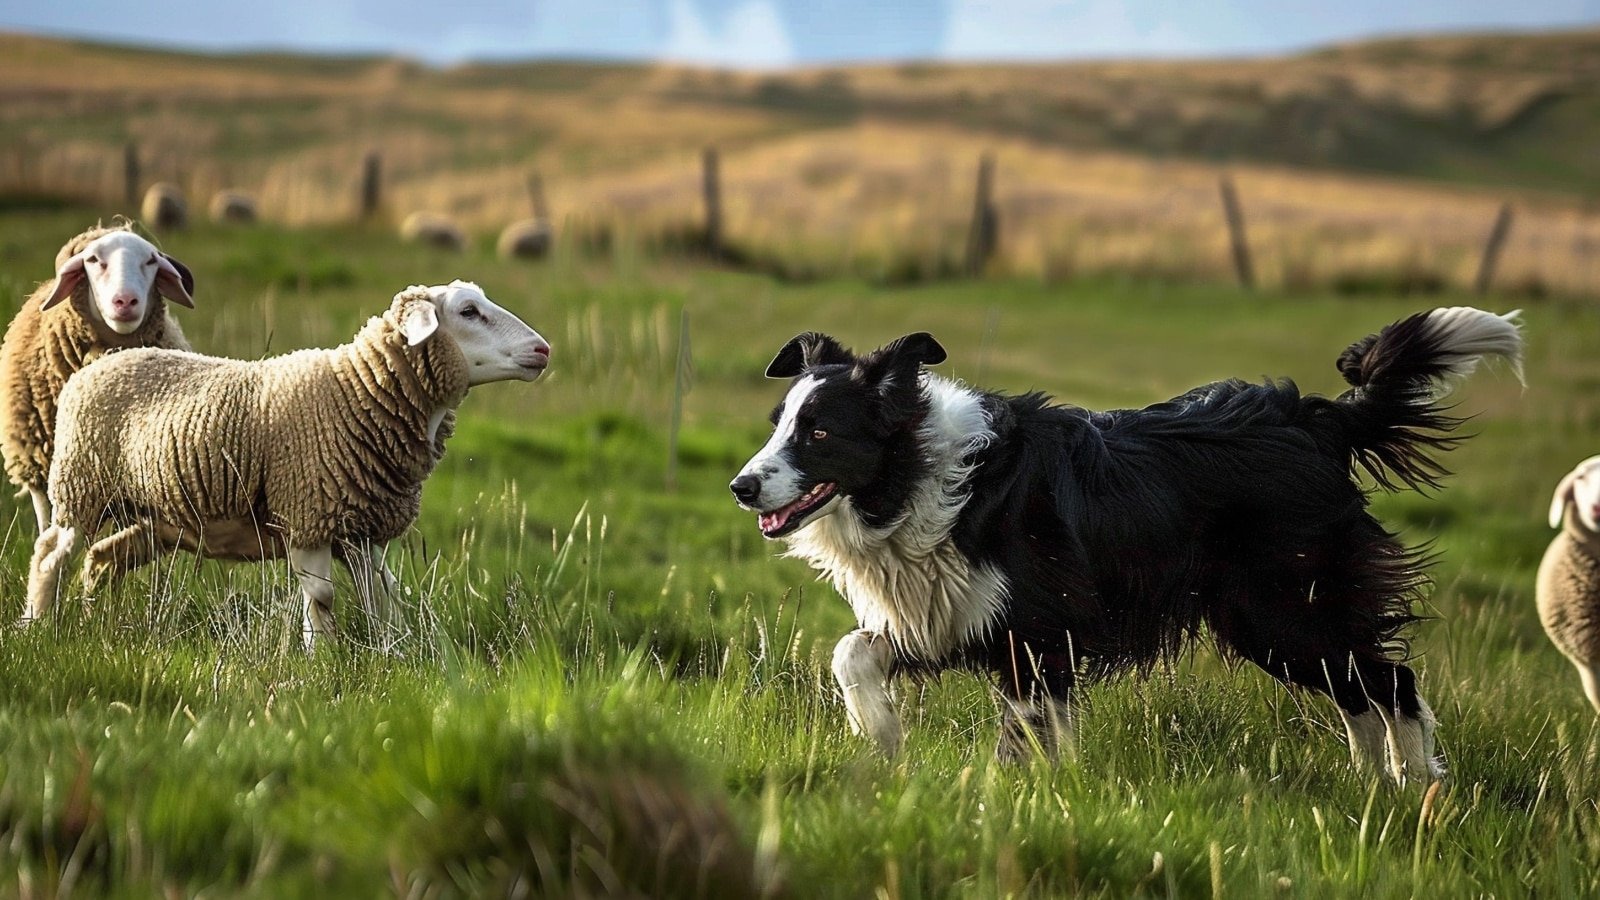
point(861, 663)
point(1040, 725)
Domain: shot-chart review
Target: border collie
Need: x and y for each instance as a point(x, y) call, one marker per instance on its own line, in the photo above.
point(1052, 545)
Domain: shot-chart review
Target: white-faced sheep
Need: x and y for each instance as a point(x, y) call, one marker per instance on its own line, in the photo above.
point(232, 208)
point(289, 456)
point(433, 230)
point(1568, 589)
point(107, 294)
point(164, 208)
point(525, 239)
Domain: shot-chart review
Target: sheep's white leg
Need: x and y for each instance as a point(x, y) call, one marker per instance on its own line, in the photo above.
point(1045, 722)
point(41, 507)
point(1411, 756)
point(117, 554)
point(315, 568)
point(1369, 736)
point(861, 662)
point(50, 551)
point(376, 586)
point(1590, 674)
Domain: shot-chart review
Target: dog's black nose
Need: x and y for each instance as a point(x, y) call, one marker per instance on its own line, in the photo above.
point(746, 489)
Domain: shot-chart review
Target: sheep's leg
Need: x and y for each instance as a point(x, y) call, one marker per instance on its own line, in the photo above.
point(314, 566)
point(1590, 674)
point(119, 553)
point(50, 551)
point(376, 586)
point(861, 662)
point(41, 507)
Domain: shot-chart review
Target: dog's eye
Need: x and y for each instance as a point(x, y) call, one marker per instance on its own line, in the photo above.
point(819, 434)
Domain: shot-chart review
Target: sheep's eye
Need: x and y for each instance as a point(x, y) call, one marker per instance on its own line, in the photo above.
point(151, 261)
point(94, 259)
point(469, 312)
point(819, 434)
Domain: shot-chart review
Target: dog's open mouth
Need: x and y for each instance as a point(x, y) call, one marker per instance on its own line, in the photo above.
point(785, 519)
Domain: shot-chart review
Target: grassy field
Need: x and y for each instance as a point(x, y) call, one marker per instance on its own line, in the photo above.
point(610, 685)
point(1369, 168)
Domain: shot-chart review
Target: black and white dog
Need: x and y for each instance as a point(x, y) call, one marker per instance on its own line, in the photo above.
point(1051, 545)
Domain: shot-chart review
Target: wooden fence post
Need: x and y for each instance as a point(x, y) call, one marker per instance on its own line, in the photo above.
point(711, 190)
point(1234, 213)
point(1492, 247)
point(984, 233)
point(536, 203)
point(371, 184)
point(130, 176)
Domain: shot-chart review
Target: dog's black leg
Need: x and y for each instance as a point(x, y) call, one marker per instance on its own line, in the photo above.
point(1312, 645)
point(1036, 696)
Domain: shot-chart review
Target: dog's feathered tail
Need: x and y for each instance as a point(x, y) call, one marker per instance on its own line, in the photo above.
point(1393, 417)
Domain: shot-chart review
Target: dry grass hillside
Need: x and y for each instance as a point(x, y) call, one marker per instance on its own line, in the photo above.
point(1377, 165)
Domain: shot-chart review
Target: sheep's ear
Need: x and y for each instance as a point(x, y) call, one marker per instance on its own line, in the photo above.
point(1563, 496)
point(174, 280)
point(68, 277)
point(418, 321)
point(805, 351)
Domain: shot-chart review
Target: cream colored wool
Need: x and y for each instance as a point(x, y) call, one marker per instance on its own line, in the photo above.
point(1568, 594)
point(308, 449)
point(43, 348)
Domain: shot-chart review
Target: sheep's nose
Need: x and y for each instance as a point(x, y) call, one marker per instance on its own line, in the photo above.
point(124, 300)
point(746, 489)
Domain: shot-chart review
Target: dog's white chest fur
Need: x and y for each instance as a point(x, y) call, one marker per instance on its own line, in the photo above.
point(909, 581)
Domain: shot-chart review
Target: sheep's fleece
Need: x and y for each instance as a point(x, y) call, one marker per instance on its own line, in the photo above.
point(319, 446)
point(43, 348)
point(1568, 586)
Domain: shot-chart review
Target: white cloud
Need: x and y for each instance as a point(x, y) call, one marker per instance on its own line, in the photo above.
point(1050, 29)
point(751, 36)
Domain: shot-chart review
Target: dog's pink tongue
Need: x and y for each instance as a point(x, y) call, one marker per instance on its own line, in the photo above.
point(772, 521)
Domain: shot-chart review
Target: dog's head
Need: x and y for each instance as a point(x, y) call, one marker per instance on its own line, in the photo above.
point(846, 422)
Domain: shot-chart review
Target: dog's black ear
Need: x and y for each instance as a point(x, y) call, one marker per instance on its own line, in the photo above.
point(805, 351)
point(915, 349)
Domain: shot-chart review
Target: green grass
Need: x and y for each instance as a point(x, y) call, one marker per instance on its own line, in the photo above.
point(611, 686)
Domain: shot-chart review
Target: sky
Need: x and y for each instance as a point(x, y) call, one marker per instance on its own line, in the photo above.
point(762, 34)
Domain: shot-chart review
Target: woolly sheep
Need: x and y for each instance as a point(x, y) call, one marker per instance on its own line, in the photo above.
point(524, 239)
point(115, 281)
point(283, 457)
point(232, 207)
point(433, 230)
point(164, 208)
point(1569, 575)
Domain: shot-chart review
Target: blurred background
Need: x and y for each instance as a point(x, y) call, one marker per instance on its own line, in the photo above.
point(1372, 148)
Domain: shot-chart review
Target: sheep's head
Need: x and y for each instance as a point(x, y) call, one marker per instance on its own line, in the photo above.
point(124, 272)
point(1581, 488)
point(497, 345)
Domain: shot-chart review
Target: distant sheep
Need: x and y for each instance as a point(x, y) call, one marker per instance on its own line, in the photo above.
point(107, 294)
point(433, 230)
point(1569, 575)
point(314, 455)
point(232, 207)
point(164, 208)
point(525, 239)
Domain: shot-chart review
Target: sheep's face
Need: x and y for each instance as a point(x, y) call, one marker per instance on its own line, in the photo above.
point(1581, 488)
point(124, 272)
point(497, 345)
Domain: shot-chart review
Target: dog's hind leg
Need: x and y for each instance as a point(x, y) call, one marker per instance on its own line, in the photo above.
point(861, 662)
